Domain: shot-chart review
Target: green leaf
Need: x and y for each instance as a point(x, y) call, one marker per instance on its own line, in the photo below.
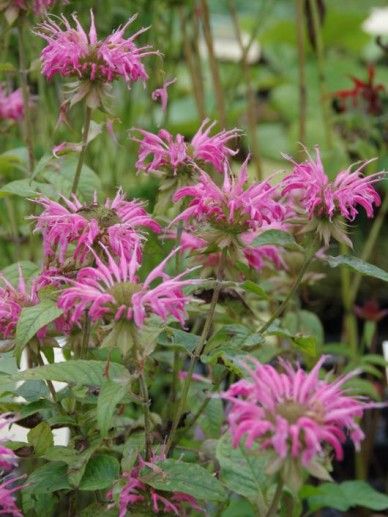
point(306, 345)
point(276, 238)
point(243, 471)
point(231, 340)
point(11, 273)
point(79, 371)
point(48, 478)
point(176, 338)
point(110, 395)
point(359, 266)
point(41, 438)
point(343, 496)
point(363, 387)
point(189, 478)
point(100, 473)
point(31, 320)
point(305, 323)
point(26, 188)
point(239, 508)
point(254, 288)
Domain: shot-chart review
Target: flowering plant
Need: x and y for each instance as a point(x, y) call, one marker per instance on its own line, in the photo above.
point(156, 354)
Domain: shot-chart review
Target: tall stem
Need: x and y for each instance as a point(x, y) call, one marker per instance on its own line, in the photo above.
point(251, 98)
point(310, 252)
point(299, 4)
point(26, 96)
point(276, 499)
point(194, 358)
point(321, 72)
point(349, 322)
point(218, 91)
point(84, 144)
point(147, 415)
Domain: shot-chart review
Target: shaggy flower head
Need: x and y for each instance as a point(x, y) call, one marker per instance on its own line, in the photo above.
point(11, 106)
point(7, 502)
point(114, 290)
point(114, 224)
point(137, 493)
point(326, 200)
point(162, 151)
point(294, 412)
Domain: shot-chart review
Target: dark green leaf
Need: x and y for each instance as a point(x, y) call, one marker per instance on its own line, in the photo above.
point(100, 473)
point(110, 395)
point(41, 438)
point(49, 478)
point(358, 265)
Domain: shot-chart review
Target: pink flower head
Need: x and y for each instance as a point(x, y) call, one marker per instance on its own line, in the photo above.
point(162, 94)
point(38, 6)
point(161, 151)
point(323, 198)
point(115, 290)
point(71, 52)
point(11, 106)
point(115, 223)
point(136, 492)
point(7, 501)
point(8, 459)
point(294, 412)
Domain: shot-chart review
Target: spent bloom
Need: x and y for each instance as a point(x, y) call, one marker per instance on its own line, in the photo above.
point(293, 412)
point(162, 94)
point(163, 151)
point(11, 105)
point(114, 290)
point(115, 224)
point(136, 493)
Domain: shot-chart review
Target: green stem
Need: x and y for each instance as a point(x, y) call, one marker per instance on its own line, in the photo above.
point(321, 72)
point(147, 415)
point(310, 252)
point(84, 144)
point(350, 322)
point(276, 499)
point(299, 4)
point(194, 359)
point(13, 226)
point(26, 95)
point(85, 337)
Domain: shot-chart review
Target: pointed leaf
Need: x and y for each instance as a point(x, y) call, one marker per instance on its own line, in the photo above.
point(110, 395)
point(358, 265)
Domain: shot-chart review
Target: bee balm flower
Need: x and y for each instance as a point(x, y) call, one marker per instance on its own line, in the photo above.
point(11, 106)
point(7, 501)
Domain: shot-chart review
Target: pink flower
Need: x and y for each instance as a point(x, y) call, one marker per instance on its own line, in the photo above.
point(7, 501)
point(162, 94)
point(115, 224)
point(115, 290)
point(38, 6)
point(163, 150)
point(323, 198)
point(8, 459)
point(71, 52)
point(11, 106)
point(136, 492)
point(294, 413)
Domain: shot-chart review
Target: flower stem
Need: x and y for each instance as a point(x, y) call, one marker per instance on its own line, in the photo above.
point(26, 96)
point(349, 322)
point(299, 4)
point(276, 499)
point(84, 144)
point(194, 358)
point(147, 415)
point(310, 252)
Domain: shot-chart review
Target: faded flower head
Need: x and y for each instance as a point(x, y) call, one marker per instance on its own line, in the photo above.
point(114, 291)
point(325, 201)
point(293, 412)
point(161, 152)
point(11, 105)
point(115, 224)
point(135, 493)
point(73, 52)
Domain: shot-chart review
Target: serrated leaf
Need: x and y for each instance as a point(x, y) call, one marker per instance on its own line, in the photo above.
point(189, 478)
point(176, 338)
point(100, 473)
point(276, 238)
point(358, 265)
point(252, 287)
point(110, 395)
point(49, 478)
point(41, 438)
point(26, 188)
point(78, 371)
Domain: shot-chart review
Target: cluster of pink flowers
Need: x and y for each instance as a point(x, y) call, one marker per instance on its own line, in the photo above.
point(165, 152)
point(135, 492)
point(71, 52)
point(11, 105)
point(294, 413)
point(114, 224)
point(114, 288)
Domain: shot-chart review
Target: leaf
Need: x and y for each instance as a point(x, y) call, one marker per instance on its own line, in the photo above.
point(189, 478)
point(306, 344)
point(239, 508)
point(342, 496)
point(231, 340)
point(276, 238)
point(110, 395)
point(79, 371)
point(254, 288)
point(100, 473)
point(358, 265)
point(11, 273)
point(243, 471)
point(31, 320)
point(176, 338)
point(26, 188)
point(305, 323)
point(49, 478)
point(41, 438)
point(363, 387)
